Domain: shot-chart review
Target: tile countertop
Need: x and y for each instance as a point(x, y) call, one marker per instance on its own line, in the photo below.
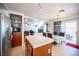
point(37, 41)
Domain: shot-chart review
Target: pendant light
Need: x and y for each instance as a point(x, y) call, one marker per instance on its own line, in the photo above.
point(39, 6)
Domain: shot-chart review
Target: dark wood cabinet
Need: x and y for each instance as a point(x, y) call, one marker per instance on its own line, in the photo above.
point(16, 23)
point(17, 39)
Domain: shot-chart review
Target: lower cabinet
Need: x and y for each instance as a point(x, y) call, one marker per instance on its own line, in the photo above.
point(16, 39)
point(29, 50)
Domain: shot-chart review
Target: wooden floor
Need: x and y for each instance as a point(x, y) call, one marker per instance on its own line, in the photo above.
point(64, 50)
point(57, 50)
point(18, 51)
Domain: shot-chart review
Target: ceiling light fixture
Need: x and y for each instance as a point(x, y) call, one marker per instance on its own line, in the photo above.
point(39, 6)
point(57, 17)
point(58, 14)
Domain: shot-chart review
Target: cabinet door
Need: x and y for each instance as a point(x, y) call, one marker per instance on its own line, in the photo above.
point(16, 20)
point(16, 41)
point(29, 50)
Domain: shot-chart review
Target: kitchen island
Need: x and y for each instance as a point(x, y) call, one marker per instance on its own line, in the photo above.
point(38, 45)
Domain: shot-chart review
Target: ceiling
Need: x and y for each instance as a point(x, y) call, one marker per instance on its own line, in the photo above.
point(49, 10)
point(2, 6)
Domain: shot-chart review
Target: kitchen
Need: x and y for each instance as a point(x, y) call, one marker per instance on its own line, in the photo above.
point(37, 30)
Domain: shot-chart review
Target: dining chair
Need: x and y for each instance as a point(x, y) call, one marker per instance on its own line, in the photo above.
point(26, 33)
point(44, 34)
point(49, 35)
point(31, 32)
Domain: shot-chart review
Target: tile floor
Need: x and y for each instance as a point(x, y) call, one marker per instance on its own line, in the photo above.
point(57, 50)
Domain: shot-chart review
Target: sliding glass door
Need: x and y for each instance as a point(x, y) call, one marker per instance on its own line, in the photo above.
point(70, 28)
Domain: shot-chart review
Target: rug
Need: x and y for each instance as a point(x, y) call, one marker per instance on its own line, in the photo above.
point(73, 45)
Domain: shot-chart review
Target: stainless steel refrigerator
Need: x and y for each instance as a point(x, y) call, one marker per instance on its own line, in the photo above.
point(5, 35)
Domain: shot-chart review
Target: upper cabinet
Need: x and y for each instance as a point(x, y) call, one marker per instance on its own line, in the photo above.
point(16, 22)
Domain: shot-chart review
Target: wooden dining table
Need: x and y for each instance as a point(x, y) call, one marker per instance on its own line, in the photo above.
point(38, 45)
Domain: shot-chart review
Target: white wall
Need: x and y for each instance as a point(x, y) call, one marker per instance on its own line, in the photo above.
point(32, 25)
point(50, 26)
point(44, 28)
point(29, 27)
